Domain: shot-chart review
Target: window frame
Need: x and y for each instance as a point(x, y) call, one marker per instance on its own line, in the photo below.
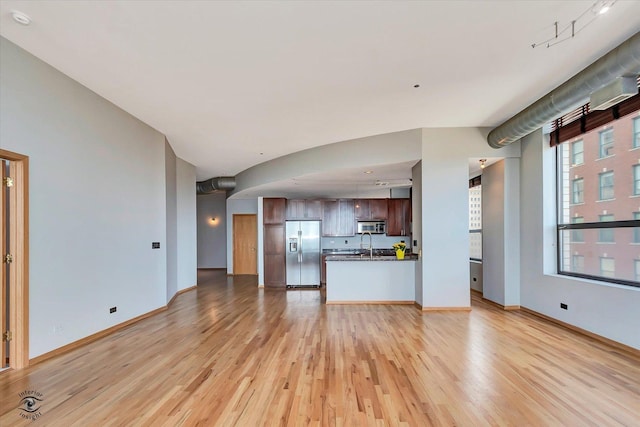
point(635, 188)
point(575, 233)
point(583, 226)
point(574, 152)
point(602, 230)
point(601, 176)
point(602, 145)
point(573, 263)
point(573, 192)
point(602, 258)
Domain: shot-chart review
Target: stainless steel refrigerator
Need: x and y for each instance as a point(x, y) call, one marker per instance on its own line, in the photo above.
point(303, 253)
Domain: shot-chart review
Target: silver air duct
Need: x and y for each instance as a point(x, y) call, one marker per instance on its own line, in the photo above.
point(222, 183)
point(624, 60)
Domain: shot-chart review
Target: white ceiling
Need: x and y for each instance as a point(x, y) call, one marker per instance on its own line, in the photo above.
point(233, 84)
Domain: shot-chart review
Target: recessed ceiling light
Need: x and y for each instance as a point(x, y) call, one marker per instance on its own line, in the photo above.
point(20, 18)
point(368, 172)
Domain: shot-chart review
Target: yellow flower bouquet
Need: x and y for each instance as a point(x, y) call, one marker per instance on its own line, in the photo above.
point(400, 248)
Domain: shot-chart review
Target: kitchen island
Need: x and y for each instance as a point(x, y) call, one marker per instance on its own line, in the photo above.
point(364, 279)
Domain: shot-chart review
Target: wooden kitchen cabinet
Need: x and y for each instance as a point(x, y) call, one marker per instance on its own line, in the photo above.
point(274, 210)
point(274, 255)
point(338, 218)
point(399, 217)
point(370, 209)
point(304, 209)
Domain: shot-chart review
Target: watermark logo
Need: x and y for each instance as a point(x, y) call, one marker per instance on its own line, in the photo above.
point(30, 404)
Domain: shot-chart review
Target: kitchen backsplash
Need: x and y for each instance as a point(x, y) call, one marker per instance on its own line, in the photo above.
point(380, 241)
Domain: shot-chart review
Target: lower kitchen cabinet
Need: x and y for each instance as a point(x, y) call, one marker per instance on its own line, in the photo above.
point(274, 256)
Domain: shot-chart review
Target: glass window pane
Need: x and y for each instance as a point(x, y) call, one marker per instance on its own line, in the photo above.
point(636, 132)
point(606, 235)
point(577, 235)
point(577, 153)
point(606, 185)
point(577, 191)
point(607, 267)
point(599, 181)
point(606, 143)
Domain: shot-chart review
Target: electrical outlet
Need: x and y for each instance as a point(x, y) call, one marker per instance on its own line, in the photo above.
point(113, 309)
point(564, 306)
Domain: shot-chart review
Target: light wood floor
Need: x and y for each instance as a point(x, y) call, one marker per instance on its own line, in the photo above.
point(231, 354)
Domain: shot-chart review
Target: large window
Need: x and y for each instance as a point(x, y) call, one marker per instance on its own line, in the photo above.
point(475, 221)
point(577, 191)
point(577, 153)
point(598, 207)
point(636, 132)
point(606, 143)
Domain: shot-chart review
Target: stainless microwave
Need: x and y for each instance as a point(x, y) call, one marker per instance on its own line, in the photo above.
point(373, 227)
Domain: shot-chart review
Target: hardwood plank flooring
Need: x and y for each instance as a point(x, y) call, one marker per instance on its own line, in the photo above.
point(231, 354)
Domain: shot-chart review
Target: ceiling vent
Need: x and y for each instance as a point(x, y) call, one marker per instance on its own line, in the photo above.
point(613, 93)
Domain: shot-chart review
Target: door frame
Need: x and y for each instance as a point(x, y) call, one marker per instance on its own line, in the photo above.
point(19, 268)
point(234, 239)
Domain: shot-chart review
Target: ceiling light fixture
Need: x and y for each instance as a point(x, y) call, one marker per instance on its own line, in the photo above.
point(20, 17)
point(368, 172)
point(576, 25)
point(482, 163)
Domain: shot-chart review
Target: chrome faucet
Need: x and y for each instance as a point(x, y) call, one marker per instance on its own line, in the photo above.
point(370, 243)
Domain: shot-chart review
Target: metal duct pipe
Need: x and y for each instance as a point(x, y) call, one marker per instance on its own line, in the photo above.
point(219, 183)
point(624, 60)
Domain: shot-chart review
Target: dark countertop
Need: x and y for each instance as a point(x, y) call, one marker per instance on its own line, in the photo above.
point(365, 252)
point(366, 257)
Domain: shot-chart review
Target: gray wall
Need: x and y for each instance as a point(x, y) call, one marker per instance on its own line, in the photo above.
point(98, 198)
point(445, 211)
point(172, 221)
point(604, 309)
point(212, 237)
point(501, 232)
point(186, 230)
point(416, 225)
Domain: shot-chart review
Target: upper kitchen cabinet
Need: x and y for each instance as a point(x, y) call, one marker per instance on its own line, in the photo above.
point(338, 218)
point(371, 209)
point(304, 209)
point(274, 211)
point(399, 217)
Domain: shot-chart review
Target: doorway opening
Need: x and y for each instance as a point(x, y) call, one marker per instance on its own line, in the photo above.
point(14, 253)
point(245, 244)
